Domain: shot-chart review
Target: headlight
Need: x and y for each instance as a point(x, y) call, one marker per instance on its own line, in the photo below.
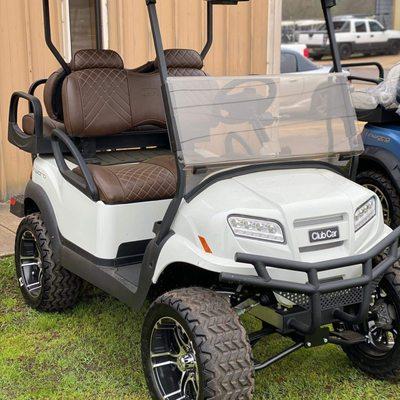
point(256, 228)
point(364, 213)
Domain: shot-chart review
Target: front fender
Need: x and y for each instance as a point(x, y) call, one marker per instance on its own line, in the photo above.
point(179, 249)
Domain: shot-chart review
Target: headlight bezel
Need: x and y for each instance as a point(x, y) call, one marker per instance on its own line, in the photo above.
point(253, 218)
point(371, 217)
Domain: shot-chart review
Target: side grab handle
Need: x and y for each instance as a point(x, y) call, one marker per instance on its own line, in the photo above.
point(34, 105)
point(85, 184)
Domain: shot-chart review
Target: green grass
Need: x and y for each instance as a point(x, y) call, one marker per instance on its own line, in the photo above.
point(92, 352)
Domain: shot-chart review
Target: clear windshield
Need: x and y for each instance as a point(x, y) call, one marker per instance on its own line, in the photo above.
point(254, 119)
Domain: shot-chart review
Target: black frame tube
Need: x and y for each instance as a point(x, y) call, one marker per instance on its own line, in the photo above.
point(32, 89)
point(49, 42)
point(99, 25)
point(326, 7)
point(86, 183)
point(210, 30)
point(278, 357)
point(172, 130)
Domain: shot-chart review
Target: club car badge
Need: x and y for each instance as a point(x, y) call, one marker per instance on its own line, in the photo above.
point(319, 235)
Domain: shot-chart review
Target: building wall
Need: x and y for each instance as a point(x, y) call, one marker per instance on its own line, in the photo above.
point(240, 47)
point(240, 44)
point(24, 58)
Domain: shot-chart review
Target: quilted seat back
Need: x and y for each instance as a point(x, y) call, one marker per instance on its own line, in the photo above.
point(183, 62)
point(100, 97)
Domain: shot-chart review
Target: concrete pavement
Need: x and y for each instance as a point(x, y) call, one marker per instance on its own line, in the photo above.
point(8, 226)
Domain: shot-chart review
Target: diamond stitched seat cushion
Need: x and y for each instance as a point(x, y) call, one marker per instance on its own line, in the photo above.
point(154, 179)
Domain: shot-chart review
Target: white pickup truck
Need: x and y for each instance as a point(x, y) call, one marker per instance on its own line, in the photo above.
point(354, 35)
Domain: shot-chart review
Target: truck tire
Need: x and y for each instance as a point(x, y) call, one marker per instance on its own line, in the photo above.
point(45, 285)
point(381, 357)
point(194, 346)
point(383, 187)
point(345, 51)
point(317, 57)
point(394, 47)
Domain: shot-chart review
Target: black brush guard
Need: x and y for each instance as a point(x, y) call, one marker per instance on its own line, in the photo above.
point(318, 292)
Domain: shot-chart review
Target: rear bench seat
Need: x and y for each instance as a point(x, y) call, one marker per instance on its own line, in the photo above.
point(102, 98)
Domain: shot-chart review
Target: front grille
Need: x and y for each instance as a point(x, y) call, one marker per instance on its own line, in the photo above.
point(340, 298)
point(315, 221)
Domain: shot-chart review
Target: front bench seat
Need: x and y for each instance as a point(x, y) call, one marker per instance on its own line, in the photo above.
point(153, 179)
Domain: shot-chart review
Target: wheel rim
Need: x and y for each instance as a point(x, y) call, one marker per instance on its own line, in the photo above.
point(381, 328)
point(30, 264)
point(173, 361)
point(384, 201)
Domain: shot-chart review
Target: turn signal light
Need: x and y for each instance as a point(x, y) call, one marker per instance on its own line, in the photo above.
point(205, 245)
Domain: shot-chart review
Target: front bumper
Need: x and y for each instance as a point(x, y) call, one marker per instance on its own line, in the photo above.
point(322, 302)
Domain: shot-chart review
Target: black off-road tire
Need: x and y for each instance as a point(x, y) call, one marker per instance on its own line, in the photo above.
point(60, 288)
point(385, 367)
point(345, 51)
point(394, 47)
point(385, 185)
point(223, 351)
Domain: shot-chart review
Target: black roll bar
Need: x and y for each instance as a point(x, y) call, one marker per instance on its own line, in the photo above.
point(326, 7)
point(49, 41)
point(171, 126)
point(210, 30)
point(99, 25)
point(210, 22)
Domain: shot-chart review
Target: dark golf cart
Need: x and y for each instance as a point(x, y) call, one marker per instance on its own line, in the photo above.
point(218, 196)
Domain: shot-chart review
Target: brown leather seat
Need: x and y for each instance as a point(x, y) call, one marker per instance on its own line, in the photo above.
point(102, 98)
point(183, 62)
point(49, 124)
point(154, 179)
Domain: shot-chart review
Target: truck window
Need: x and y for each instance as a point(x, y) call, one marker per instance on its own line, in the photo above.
point(361, 27)
point(340, 26)
point(375, 27)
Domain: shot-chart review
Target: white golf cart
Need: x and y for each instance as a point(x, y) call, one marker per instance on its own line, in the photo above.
point(223, 196)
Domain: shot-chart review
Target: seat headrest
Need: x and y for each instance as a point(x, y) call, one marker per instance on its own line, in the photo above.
point(90, 59)
point(52, 95)
point(182, 58)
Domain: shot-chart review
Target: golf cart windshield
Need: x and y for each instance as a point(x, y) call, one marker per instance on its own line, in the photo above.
point(228, 121)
